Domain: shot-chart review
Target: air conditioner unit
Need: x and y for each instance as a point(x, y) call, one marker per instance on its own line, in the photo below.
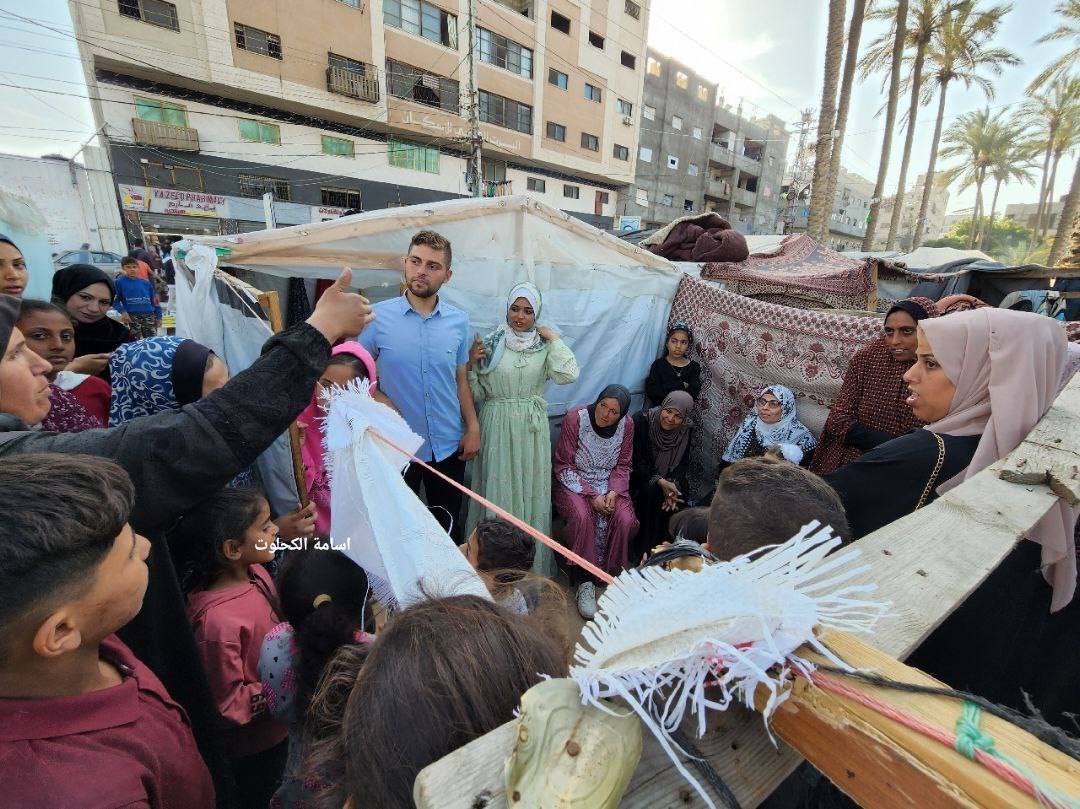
point(627, 120)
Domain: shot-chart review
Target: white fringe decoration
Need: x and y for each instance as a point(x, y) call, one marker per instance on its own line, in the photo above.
point(660, 637)
point(392, 535)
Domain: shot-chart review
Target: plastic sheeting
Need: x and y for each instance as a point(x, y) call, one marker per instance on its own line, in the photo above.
point(231, 324)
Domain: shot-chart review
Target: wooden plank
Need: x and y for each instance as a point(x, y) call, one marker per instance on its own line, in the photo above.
point(921, 568)
point(272, 306)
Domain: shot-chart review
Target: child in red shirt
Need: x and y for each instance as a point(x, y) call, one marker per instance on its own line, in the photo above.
point(82, 721)
point(232, 604)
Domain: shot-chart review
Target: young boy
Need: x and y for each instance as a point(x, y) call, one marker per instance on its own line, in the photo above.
point(502, 555)
point(765, 501)
point(136, 300)
point(82, 721)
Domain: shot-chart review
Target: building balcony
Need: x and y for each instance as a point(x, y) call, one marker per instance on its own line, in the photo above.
point(721, 154)
point(719, 189)
point(354, 84)
point(744, 197)
point(165, 136)
point(522, 7)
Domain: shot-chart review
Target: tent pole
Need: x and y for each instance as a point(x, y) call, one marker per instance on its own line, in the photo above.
point(272, 306)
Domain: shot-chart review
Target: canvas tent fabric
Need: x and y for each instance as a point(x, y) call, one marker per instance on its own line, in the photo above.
point(609, 299)
point(744, 345)
point(802, 273)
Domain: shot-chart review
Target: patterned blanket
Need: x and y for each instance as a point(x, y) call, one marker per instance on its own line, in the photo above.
point(803, 274)
point(744, 345)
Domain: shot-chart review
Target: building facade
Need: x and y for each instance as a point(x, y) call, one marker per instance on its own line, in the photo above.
point(935, 216)
point(847, 221)
point(331, 105)
point(1025, 213)
point(698, 154)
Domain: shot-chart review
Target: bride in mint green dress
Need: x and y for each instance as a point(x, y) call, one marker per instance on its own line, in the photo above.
point(507, 373)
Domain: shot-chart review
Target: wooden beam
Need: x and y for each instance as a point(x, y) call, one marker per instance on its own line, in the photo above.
point(920, 570)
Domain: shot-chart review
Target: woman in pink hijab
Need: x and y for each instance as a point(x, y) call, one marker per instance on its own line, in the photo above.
point(981, 381)
point(348, 361)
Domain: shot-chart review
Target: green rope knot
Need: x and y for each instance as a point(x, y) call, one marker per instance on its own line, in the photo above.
point(969, 736)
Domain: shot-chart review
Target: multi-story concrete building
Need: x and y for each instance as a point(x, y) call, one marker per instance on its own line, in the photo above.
point(1024, 213)
point(935, 216)
point(358, 104)
point(851, 204)
point(699, 154)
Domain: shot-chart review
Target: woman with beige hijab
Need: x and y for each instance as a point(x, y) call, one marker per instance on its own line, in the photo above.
point(981, 381)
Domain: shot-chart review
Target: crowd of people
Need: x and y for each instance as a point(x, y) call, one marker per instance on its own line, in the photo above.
point(155, 651)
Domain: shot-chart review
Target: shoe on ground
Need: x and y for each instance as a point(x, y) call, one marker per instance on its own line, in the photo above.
point(586, 600)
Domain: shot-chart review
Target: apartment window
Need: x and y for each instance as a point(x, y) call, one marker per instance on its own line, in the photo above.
point(340, 147)
point(641, 196)
point(536, 184)
point(183, 178)
point(422, 19)
point(624, 107)
point(590, 142)
point(688, 205)
point(697, 133)
point(497, 50)
point(596, 40)
point(648, 113)
point(620, 152)
point(254, 186)
point(672, 161)
point(257, 41)
point(161, 112)
point(558, 78)
point(668, 200)
point(340, 198)
point(345, 63)
point(155, 12)
point(702, 92)
point(592, 93)
point(645, 154)
point(682, 80)
point(652, 66)
point(404, 155)
point(415, 84)
point(560, 23)
point(633, 9)
point(628, 59)
point(502, 111)
point(351, 4)
point(571, 192)
point(692, 169)
point(556, 131)
point(676, 122)
point(494, 171)
point(259, 132)
point(602, 197)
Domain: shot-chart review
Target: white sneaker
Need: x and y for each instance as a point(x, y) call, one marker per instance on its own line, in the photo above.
point(586, 600)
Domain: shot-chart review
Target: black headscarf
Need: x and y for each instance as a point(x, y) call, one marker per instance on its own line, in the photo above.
point(102, 336)
point(622, 396)
point(7, 240)
point(188, 369)
point(680, 325)
point(9, 315)
point(918, 308)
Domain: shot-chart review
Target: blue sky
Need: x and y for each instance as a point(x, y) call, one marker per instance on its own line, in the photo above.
point(777, 47)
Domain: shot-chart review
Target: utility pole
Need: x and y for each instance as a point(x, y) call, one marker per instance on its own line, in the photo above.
point(476, 139)
point(800, 171)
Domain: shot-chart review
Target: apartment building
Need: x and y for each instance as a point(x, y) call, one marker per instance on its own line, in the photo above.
point(332, 105)
point(1025, 214)
point(698, 153)
point(851, 206)
point(935, 216)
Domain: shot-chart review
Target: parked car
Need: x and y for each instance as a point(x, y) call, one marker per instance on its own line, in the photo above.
point(109, 262)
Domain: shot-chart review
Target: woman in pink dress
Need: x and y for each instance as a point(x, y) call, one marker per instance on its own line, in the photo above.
point(592, 488)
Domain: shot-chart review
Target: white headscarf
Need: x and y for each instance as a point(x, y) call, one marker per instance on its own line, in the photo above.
point(503, 337)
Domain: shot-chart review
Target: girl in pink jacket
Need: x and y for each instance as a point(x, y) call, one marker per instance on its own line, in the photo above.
point(232, 604)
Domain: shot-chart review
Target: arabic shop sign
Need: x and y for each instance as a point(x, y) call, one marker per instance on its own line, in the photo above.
point(172, 202)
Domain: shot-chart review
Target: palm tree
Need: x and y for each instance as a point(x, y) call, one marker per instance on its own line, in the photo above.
point(820, 203)
point(851, 57)
point(1049, 112)
point(959, 51)
point(1066, 139)
point(1068, 31)
point(974, 138)
point(926, 20)
point(866, 67)
point(1009, 162)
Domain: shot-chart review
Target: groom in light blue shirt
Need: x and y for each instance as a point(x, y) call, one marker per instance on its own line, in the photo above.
point(421, 346)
